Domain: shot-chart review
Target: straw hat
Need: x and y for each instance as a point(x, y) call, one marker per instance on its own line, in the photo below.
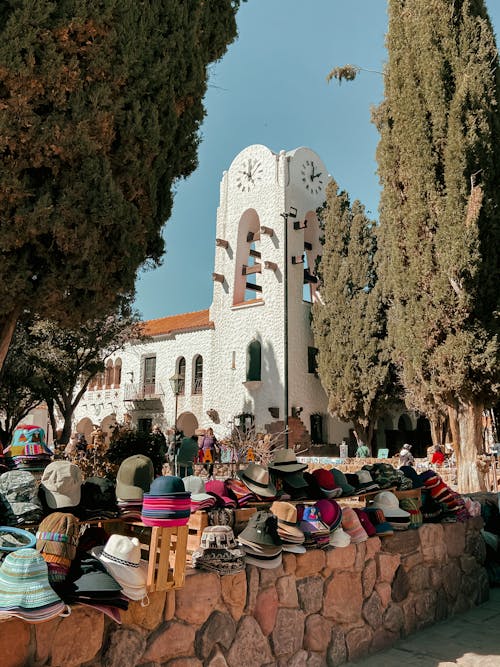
point(121, 557)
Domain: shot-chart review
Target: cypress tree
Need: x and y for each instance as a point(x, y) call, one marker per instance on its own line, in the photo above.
point(439, 213)
point(350, 325)
point(100, 107)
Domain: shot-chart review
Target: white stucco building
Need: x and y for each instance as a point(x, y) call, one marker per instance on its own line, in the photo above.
point(230, 358)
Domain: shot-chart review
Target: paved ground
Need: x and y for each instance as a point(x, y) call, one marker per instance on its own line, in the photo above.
point(471, 639)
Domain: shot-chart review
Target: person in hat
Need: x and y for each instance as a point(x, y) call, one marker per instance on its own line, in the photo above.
point(405, 456)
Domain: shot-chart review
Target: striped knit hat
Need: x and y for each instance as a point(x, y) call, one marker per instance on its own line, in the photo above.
point(413, 506)
point(57, 536)
point(24, 582)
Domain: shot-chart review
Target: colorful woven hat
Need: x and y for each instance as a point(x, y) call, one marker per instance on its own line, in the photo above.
point(24, 583)
point(57, 535)
point(413, 506)
point(377, 518)
point(218, 551)
point(352, 526)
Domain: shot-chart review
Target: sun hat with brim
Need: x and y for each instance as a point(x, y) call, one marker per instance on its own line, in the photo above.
point(295, 480)
point(389, 504)
point(262, 528)
point(256, 478)
point(339, 538)
point(294, 548)
point(62, 484)
point(12, 539)
point(352, 526)
point(340, 480)
point(121, 557)
point(285, 461)
point(286, 513)
point(330, 512)
point(88, 576)
point(134, 477)
point(24, 581)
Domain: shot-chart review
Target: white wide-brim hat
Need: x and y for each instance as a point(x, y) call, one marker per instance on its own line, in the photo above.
point(389, 504)
point(129, 575)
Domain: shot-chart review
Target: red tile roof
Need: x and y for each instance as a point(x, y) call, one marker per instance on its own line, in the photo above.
point(178, 323)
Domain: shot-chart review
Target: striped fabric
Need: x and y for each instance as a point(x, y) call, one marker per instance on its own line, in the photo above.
point(24, 581)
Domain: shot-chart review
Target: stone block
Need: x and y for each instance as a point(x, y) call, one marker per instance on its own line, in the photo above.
point(412, 559)
point(310, 594)
point(373, 546)
point(343, 598)
point(400, 585)
point(382, 639)
point(369, 577)
point(384, 591)
point(372, 611)
point(124, 647)
point(430, 534)
point(419, 578)
point(288, 633)
point(315, 660)
point(393, 619)
point(483, 588)
point(441, 611)
point(266, 608)
point(358, 641)
point(300, 659)
point(454, 539)
point(342, 558)
point(184, 662)
point(83, 622)
point(336, 653)
point(402, 542)
point(268, 577)
point(475, 524)
point(217, 659)
point(436, 577)
point(452, 577)
point(218, 629)
point(475, 546)
point(289, 563)
point(359, 561)
point(173, 641)
point(15, 643)
point(149, 617)
point(468, 563)
point(249, 647)
point(387, 564)
point(425, 607)
point(409, 616)
point(234, 593)
point(252, 575)
point(200, 595)
point(287, 592)
point(317, 633)
point(44, 636)
point(310, 563)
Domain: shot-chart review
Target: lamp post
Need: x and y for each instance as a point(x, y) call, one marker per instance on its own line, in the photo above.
point(176, 382)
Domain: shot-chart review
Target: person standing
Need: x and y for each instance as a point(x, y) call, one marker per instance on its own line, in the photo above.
point(405, 456)
point(209, 444)
point(187, 455)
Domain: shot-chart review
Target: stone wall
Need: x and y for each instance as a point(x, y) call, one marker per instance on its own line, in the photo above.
point(319, 608)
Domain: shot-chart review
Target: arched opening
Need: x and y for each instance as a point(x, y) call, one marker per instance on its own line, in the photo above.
point(198, 375)
point(312, 251)
point(248, 266)
point(117, 379)
point(108, 374)
point(86, 427)
point(254, 361)
point(181, 371)
point(187, 423)
point(107, 426)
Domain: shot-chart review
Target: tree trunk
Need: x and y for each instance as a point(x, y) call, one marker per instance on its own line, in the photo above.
point(7, 329)
point(466, 429)
point(364, 434)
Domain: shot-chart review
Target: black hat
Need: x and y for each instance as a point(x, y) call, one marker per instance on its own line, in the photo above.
point(98, 493)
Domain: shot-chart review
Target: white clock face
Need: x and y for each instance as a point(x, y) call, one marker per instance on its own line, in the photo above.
point(312, 177)
point(249, 174)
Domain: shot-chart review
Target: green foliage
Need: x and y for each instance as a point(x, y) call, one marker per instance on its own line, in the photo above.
point(126, 442)
point(440, 205)
point(350, 326)
point(100, 107)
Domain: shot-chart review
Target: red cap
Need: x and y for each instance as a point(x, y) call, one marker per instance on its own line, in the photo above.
point(325, 479)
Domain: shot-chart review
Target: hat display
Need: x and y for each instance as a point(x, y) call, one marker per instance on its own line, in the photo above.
point(217, 489)
point(219, 552)
point(121, 556)
point(377, 518)
point(286, 514)
point(99, 498)
point(389, 504)
point(365, 481)
point(256, 478)
point(352, 526)
point(413, 476)
point(330, 512)
point(326, 483)
point(200, 499)
point(260, 541)
point(412, 506)
point(285, 461)
point(167, 504)
point(365, 522)
point(62, 483)
point(340, 480)
point(240, 491)
point(339, 538)
point(134, 477)
point(25, 591)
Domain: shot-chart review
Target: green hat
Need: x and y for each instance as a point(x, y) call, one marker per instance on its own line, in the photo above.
point(341, 480)
point(134, 477)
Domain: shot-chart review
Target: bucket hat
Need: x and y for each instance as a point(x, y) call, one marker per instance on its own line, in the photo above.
point(340, 480)
point(19, 496)
point(330, 512)
point(352, 526)
point(167, 485)
point(12, 539)
point(134, 477)
point(218, 551)
point(389, 504)
point(261, 529)
point(256, 478)
point(121, 557)
point(285, 461)
point(62, 484)
point(24, 582)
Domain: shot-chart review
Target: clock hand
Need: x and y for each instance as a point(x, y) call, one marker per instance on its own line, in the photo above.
point(316, 175)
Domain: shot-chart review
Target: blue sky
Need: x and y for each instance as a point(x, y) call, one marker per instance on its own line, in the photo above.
point(270, 88)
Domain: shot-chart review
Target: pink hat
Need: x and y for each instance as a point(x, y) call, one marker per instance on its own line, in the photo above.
point(352, 526)
point(330, 512)
point(365, 522)
point(217, 488)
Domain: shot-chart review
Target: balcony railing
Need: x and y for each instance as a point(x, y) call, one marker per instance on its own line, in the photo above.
point(198, 386)
point(142, 392)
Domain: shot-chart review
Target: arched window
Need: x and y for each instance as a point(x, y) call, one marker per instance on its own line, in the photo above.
point(248, 265)
point(117, 373)
point(181, 370)
point(198, 375)
point(254, 361)
point(108, 374)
